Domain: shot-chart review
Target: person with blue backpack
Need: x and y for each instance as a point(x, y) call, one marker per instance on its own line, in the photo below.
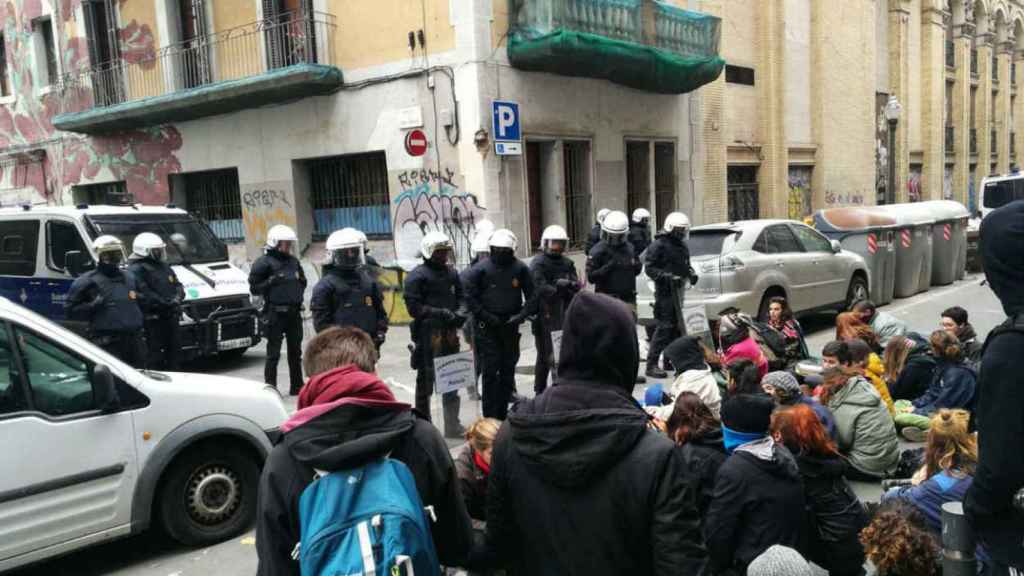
point(359, 483)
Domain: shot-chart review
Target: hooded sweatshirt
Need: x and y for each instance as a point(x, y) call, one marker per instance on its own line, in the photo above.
point(1000, 403)
point(917, 371)
point(865, 431)
point(347, 418)
point(579, 483)
point(692, 375)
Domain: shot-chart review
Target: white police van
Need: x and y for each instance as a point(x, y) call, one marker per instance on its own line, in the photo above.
point(43, 248)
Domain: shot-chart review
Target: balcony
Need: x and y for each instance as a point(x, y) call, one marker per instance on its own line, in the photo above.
point(949, 140)
point(267, 62)
point(950, 54)
point(644, 44)
point(974, 140)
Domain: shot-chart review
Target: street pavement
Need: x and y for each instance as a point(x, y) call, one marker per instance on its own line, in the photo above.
point(152, 554)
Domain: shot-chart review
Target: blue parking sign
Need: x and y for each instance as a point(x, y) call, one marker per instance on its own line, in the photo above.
point(506, 121)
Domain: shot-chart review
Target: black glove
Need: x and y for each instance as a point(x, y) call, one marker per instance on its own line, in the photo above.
point(98, 302)
point(693, 279)
point(446, 316)
point(516, 320)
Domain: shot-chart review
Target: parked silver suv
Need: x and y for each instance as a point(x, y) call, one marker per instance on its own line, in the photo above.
point(744, 264)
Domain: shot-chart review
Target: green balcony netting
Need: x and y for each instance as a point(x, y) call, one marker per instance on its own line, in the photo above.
point(644, 44)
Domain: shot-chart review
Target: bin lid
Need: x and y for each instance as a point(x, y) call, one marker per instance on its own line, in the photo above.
point(944, 210)
point(851, 219)
point(909, 214)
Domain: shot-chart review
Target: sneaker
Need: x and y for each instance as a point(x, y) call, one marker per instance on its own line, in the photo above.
point(914, 434)
point(656, 373)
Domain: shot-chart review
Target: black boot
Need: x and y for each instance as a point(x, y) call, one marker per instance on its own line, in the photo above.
point(653, 371)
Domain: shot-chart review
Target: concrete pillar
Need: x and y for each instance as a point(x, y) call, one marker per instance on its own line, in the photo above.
point(711, 187)
point(962, 35)
point(899, 86)
point(933, 95)
point(983, 106)
point(1002, 107)
point(772, 175)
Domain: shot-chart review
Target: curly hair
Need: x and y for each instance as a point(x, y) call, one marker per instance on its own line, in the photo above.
point(898, 542)
point(946, 346)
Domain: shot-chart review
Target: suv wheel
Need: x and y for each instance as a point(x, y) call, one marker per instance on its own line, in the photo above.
point(208, 496)
point(857, 291)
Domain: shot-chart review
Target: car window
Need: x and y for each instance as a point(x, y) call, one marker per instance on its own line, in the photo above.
point(63, 237)
point(59, 379)
point(11, 399)
point(780, 239)
point(19, 240)
point(761, 244)
point(812, 240)
point(708, 242)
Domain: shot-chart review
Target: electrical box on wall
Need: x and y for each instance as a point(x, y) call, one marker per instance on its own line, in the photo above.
point(445, 116)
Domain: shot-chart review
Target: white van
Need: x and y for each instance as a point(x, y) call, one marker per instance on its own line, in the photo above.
point(997, 191)
point(93, 449)
point(43, 248)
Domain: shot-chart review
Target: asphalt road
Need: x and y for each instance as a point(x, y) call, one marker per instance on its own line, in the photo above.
point(152, 554)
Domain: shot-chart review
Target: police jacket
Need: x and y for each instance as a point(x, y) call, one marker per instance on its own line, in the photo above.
point(496, 293)
point(592, 238)
point(430, 290)
point(348, 298)
point(109, 302)
point(158, 286)
point(613, 269)
point(639, 237)
point(553, 300)
point(668, 256)
point(278, 278)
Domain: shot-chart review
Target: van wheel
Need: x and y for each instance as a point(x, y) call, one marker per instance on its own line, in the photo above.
point(208, 496)
point(857, 291)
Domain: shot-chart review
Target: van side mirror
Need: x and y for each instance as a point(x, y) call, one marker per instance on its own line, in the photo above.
point(836, 247)
point(104, 390)
point(73, 262)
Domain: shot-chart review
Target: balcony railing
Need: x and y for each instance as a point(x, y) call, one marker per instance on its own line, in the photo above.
point(949, 140)
point(950, 54)
point(974, 140)
point(992, 143)
point(974, 62)
point(235, 54)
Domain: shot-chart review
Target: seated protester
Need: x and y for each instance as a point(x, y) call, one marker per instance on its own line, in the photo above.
point(781, 319)
point(743, 378)
point(737, 343)
point(785, 390)
point(865, 433)
point(899, 543)
point(953, 385)
point(835, 354)
point(869, 365)
point(698, 434)
point(346, 416)
point(835, 515)
point(756, 491)
point(473, 466)
point(909, 366)
point(686, 354)
point(885, 325)
point(779, 561)
point(954, 321)
point(849, 327)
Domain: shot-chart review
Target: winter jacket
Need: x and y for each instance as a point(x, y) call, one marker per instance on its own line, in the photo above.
point(970, 344)
point(473, 483)
point(917, 372)
point(613, 269)
point(555, 282)
point(823, 414)
point(361, 421)
point(930, 495)
point(886, 326)
point(666, 258)
point(747, 348)
point(952, 386)
point(1000, 403)
point(639, 237)
point(757, 490)
point(592, 238)
point(835, 516)
point(865, 431)
point(875, 373)
point(700, 382)
point(580, 484)
point(702, 457)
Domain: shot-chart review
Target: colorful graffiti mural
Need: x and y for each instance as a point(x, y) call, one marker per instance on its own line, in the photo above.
point(914, 183)
point(799, 192)
point(433, 204)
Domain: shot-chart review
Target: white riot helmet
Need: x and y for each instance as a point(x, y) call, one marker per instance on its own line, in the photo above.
point(434, 242)
point(346, 248)
point(109, 250)
point(641, 215)
point(481, 242)
point(602, 213)
point(553, 236)
point(278, 234)
point(614, 227)
point(149, 245)
point(503, 238)
point(677, 223)
point(485, 226)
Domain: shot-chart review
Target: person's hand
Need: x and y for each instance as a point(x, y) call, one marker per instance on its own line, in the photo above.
point(658, 424)
point(516, 320)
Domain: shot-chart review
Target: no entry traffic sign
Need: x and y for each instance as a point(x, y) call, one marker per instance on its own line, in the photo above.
point(416, 142)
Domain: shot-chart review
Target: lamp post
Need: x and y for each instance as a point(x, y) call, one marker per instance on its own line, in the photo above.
point(893, 108)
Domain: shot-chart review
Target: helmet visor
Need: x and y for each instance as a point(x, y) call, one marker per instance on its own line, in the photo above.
point(554, 246)
point(111, 256)
point(285, 246)
point(442, 254)
point(351, 257)
point(158, 254)
point(613, 239)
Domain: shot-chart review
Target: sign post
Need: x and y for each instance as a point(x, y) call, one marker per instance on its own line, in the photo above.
point(507, 134)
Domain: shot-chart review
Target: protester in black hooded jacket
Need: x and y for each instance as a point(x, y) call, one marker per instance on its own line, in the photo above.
point(915, 376)
point(1000, 401)
point(580, 484)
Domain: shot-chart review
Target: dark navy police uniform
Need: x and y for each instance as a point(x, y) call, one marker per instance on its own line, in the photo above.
point(108, 299)
point(349, 298)
point(279, 279)
point(160, 297)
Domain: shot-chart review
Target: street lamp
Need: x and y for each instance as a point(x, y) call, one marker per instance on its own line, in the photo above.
point(893, 108)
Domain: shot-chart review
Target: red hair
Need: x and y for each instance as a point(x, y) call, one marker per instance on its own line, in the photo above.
point(849, 326)
point(802, 432)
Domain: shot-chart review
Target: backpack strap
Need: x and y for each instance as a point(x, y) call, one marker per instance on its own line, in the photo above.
point(1012, 324)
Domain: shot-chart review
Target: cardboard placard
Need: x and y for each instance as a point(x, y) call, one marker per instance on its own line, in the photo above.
point(556, 345)
point(695, 317)
point(453, 372)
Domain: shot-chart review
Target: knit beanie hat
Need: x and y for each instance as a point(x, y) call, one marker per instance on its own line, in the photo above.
point(748, 413)
point(779, 561)
point(787, 389)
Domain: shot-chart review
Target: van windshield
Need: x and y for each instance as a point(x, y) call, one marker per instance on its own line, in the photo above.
point(709, 242)
point(188, 240)
point(998, 194)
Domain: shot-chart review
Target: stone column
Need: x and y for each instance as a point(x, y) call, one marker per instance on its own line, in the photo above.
point(1002, 107)
point(933, 96)
point(711, 185)
point(772, 176)
point(1018, 109)
point(983, 106)
point(962, 35)
point(899, 86)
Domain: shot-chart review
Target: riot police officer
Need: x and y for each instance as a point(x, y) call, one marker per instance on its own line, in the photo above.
point(160, 297)
point(479, 249)
point(370, 263)
point(347, 295)
point(277, 276)
point(433, 296)
point(556, 282)
point(595, 232)
point(499, 294)
point(613, 266)
point(107, 298)
point(640, 231)
point(668, 265)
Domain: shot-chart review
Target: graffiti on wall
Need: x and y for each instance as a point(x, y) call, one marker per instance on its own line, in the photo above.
point(432, 202)
point(881, 147)
point(799, 192)
point(263, 208)
point(833, 198)
point(914, 183)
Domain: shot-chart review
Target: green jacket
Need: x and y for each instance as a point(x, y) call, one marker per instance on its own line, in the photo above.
point(864, 429)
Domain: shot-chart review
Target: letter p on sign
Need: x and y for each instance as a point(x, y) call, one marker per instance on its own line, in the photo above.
point(506, 121)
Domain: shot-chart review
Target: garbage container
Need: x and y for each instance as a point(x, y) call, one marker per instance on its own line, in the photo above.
point(913, 242)
point(949, 241)
point(870, 234)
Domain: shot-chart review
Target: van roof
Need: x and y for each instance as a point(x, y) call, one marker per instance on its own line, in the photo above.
point(97, 210)
point(1002, 177)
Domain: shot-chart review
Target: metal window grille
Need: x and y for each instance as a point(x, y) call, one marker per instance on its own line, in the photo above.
point(974, 140)
point(950, 54)
point(104, 52)
point(974, 62)
point(290, 37)
point(995, 68)
point(4, 88)
point(351, 191)
point(742, 189)
point(115, 193)
point(638, 176)
point(576, 162)
point(950, 144)
point(664, 180)
point(215, 197)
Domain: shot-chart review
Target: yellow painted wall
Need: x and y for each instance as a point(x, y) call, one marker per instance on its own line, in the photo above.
point(142, 79)
point(373, 32)
point(238, 56)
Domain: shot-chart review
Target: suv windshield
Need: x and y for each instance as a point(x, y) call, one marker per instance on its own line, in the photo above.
point(188, 240)
point(998, 194)
point(708, 242)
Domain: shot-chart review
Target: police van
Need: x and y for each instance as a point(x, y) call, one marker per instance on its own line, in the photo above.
point(43, 248)
point(998, 191)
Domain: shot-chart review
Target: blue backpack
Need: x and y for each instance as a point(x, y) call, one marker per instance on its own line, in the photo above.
point(366, 521)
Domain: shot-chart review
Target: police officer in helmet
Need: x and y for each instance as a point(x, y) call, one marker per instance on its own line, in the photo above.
point(278, 278)
point(347, 295)
point(479, 249)
point(640, 230)
point(668, 265)
point(500, 295)
point(556, 282)
point(160, 297)
point(595, 232)
point(433, 296)
point(107, 298)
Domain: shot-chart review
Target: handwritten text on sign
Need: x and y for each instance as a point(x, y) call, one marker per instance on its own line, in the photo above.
point(453, 372)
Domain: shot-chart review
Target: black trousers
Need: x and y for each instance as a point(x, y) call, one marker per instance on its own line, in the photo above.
point(545, 358)
point(282, 323)
point(163, 339)
point(429, 345)
point(666, 328)
point(128, 347)
point(499, 354)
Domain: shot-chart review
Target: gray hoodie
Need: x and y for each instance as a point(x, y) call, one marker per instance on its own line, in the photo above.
point(865, 431)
